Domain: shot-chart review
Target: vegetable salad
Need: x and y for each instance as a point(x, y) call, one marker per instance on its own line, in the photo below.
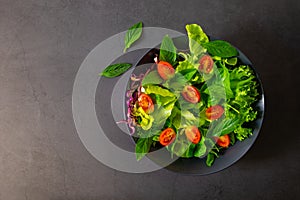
point(194, 104)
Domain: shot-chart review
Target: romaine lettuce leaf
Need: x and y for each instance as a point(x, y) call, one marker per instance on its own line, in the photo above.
point(144, 119)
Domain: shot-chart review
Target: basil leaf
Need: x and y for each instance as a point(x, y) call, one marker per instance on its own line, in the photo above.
point(152, 78)
point(182, 148)
point(220, 48)
point(232, 138)
point(142, 147)
point(226, 126)
point(200, 148)
point(197, 37)
point(210, 159)
point(132, 35)
point(168, 51)
point(189, 152)
point(115, 70)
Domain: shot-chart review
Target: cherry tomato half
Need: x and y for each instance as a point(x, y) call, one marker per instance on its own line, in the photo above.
point(206, 64)
point(167, 136)
point(165, 70)
point(223, 141)
point(214, 112)
point(146, 103)
point(193, 134)
point(191, 94)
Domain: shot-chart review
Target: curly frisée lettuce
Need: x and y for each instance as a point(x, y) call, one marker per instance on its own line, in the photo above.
point(202, 108)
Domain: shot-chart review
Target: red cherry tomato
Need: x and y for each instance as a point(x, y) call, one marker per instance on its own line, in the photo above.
point(223, 141)
point(165, 70)
point(191, 94)
point(193, 134)
point(167, 136)
point(206, 64)
point(214, 112)
point(146, 103)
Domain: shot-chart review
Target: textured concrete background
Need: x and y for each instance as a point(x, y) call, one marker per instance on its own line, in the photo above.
point(42, 44)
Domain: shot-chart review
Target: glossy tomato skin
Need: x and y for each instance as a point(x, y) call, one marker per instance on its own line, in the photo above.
point(223, 141)
point(167, 136)
point(191, 94)
point(146, 103)
point(206, 64)
point(193, 134)
point(165, 70)
point(214, 112)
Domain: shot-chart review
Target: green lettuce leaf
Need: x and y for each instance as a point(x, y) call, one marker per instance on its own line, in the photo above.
point(144, 120)
point(242, 133)
point(196, 37)
point(157, 90)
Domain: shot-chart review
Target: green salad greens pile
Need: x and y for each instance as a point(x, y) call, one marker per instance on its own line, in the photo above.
point(195, 104)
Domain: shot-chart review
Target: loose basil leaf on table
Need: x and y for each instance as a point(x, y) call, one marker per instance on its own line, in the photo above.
point(132, 35)
point(220, 48)
point(115, 70)
point(168, 51)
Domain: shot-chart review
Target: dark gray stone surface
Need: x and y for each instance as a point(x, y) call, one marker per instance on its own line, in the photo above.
point(42, 44)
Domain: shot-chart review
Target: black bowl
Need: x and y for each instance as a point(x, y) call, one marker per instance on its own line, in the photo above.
point(233, 153)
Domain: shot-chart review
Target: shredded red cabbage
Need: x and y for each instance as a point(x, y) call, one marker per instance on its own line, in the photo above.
point(132, 94)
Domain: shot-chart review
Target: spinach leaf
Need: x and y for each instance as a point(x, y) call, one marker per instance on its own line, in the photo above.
point(188, 73)
point(180, 79)
point(168, 51)
point(189, 151)
point(216, 93)
point(142, 147)
point(152, 78)
point(132, 35)
point(232, 138)
point(179, 147)
point(225, 78)
point(223, 126)
point(197, 37)
point(115, 70)
point(176, 83)
point(200, 149)
point(175, 117)
point(210, 159)
point(220, 48)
